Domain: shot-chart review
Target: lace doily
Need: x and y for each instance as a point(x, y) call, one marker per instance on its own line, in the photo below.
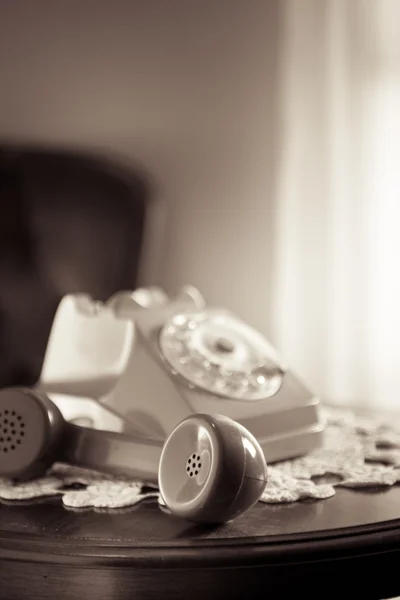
point(357, 453)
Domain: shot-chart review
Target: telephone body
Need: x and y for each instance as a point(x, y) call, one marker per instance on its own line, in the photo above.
point(154, 360)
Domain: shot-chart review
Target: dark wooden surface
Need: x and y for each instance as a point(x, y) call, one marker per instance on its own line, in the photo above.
point(318, 549)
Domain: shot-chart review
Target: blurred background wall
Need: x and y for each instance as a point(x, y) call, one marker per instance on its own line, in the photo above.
point(267, 127)
point(186, 88)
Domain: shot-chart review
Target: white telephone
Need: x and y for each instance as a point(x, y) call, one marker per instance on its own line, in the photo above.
point(155, 360)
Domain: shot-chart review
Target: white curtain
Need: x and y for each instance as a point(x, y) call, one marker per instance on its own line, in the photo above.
point(336, 304)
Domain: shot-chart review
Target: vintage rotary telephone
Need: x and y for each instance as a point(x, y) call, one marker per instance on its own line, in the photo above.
point(165, 391)
point(154, 361)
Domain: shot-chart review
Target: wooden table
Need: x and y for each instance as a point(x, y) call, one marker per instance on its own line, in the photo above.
point(317, 549)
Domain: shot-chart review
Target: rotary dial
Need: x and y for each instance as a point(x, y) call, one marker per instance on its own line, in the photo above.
point(220, 354)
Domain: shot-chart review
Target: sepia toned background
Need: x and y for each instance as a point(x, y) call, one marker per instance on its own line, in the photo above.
point(270, 132)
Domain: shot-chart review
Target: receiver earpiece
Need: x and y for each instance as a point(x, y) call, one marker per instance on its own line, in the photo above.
point(31, 431)
point(209, 470)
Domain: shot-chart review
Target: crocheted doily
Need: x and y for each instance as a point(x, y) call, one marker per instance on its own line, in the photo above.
point(358, 453)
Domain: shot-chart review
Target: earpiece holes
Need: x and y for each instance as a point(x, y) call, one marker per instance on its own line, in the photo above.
point(193, 465)
point(12, 430)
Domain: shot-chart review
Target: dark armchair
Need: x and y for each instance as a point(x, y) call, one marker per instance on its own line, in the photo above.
point(68, 223)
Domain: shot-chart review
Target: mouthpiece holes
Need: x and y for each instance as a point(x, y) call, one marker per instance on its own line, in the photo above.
point(12, 430)
point(193, 465)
